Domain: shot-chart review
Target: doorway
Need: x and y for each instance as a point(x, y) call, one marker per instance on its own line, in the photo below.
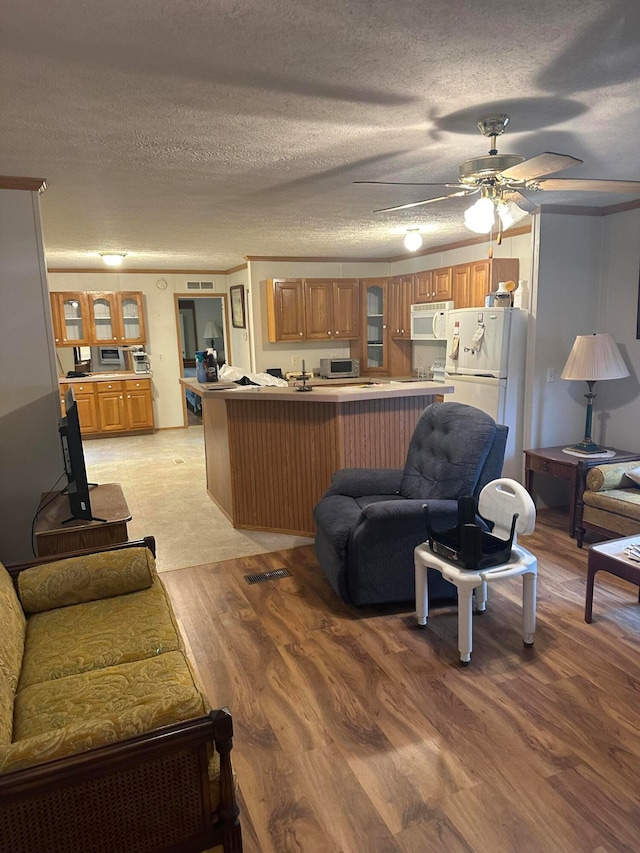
point(202, 323)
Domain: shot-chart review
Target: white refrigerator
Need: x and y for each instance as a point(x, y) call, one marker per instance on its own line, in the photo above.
point(485, 364)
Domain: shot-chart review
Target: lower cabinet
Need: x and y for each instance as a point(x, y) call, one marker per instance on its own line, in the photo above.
point(112, 406)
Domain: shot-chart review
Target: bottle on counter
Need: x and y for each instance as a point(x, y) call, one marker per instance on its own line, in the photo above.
point(201, 369)
point(212, 365)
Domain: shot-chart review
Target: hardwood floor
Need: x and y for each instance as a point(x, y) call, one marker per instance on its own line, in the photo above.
point(356, 731)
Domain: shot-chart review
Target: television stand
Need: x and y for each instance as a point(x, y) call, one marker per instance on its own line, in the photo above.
point(73, 518)
point(57, 534)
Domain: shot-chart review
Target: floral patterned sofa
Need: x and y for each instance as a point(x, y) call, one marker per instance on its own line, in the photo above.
point(107, 742)
point(610, 503)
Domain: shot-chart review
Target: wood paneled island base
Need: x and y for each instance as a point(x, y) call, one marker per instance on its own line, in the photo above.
point(271, 452)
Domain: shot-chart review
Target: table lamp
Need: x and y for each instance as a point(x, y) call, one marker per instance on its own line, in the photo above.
point(211, 332)
point(592, 358)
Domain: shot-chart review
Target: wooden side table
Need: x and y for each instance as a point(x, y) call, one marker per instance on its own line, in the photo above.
point(107, 501)
point(563, 466)
point(610, 557)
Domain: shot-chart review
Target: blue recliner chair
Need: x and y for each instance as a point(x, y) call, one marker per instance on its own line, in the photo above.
point(370, 520)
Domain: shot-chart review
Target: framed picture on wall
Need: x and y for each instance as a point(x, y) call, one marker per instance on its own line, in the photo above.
point(238, 317)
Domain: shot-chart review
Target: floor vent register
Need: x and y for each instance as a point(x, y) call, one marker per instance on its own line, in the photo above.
point(274, 575)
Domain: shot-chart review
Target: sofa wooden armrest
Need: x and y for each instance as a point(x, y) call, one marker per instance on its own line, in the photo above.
point(159, 781)
point(14, 569)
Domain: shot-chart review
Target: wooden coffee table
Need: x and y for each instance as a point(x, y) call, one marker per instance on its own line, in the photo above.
point(610, 557)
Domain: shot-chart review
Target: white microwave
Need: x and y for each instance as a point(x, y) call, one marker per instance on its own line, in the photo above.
point(429, 321)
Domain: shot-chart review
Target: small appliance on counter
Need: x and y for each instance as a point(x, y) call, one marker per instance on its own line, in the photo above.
point(437, 370)
point(339, 368)
point(140, 361)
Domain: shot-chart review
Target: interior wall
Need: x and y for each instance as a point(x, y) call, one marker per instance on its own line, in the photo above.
point(564, 303)
point(617, 406)
point(30, 452)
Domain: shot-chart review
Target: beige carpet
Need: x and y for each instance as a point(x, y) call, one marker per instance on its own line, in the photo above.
point(163, 480)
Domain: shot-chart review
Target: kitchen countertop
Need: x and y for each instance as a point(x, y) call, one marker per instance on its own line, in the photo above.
point(321, 393)
point(102, 377)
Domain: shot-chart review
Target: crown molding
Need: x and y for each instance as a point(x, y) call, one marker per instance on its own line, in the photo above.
point(121, 271)
point(9, 182)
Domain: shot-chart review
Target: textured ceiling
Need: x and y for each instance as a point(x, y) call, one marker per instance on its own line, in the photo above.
point(192, 133)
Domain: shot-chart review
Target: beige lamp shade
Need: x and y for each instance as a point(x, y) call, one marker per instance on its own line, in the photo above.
point(594, 357)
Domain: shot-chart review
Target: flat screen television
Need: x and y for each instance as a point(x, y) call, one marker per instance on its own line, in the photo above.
point(77, 488)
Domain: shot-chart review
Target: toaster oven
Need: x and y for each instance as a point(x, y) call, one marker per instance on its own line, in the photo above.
point(339, 368)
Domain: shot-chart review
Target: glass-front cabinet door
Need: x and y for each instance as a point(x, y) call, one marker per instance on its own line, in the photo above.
point(131, 318)
point(70, 319)
point(102, 307)
point(375, 298)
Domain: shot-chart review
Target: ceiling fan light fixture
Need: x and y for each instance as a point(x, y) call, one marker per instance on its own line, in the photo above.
point(480, 217)
point(113, 259)
point(412, 240)
point(509, 213)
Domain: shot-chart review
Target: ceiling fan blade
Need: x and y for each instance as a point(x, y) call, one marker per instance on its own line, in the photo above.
point(586, 185)
point(542, 164)
point(522, 201)
point(426, 201)
point(409, 184)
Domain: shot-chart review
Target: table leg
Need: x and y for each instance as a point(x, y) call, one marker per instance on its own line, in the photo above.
point(588, 605)
point(465, 615)
point(528, 607)
point(422, 591)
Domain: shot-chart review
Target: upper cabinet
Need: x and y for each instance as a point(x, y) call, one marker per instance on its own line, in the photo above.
point(130, 315)
point(71, 326)
point(102, 317)
point(433, 285)
point(313, 309)
point(375, 315)
point(472, 282)
point(285, 309)
point(332, 309)
point(400, 306)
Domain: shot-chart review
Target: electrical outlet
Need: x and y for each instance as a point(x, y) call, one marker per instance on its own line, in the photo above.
point(551, 374)
point(294, 361)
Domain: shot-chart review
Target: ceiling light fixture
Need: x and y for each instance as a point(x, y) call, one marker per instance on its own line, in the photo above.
point(113, 259)
point(413, 240)
point(481, 216)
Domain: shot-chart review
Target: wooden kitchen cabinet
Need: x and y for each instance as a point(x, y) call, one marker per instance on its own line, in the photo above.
point(71, 325)
point(374, 356)
point(112, 406)
point(86, 402)
point(332, 309)
point(285, 309)
point(138, 404)
point(401, 290)
point(130, 317)
point(312, 309)
point(433, 285)
point(98, 317)
point(472, 282)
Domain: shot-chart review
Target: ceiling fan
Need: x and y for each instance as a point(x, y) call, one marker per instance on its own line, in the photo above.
point(502, 180)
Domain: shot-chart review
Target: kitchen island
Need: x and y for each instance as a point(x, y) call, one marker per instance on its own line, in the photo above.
point(271, 451)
